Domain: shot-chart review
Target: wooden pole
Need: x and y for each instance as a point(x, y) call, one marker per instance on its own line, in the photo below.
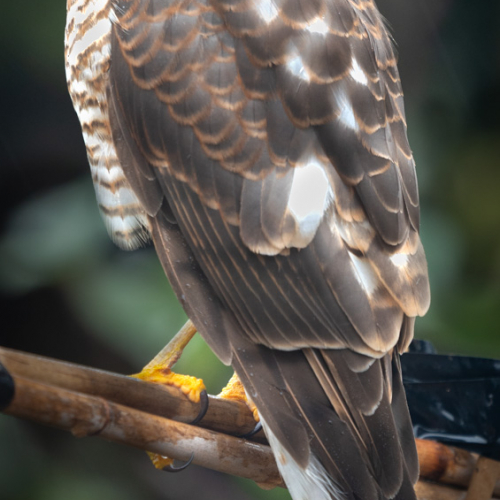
point(85, 415)
point(448, 465)
point(230, 417)
point(433, 491)
point(486, 474)
point(90, 402)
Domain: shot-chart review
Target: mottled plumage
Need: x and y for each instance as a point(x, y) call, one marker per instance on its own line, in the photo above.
point(262, 145)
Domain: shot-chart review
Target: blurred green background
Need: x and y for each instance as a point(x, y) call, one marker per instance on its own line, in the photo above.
point(66, 292)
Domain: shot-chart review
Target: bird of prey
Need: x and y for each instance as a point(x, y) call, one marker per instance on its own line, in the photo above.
point(261, 145)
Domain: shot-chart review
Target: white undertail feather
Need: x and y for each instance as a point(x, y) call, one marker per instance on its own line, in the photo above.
point(123, 215)
point(312, 483)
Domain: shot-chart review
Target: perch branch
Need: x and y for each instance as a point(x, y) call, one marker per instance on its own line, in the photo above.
point(91, 402)
point(225, 416)
point(85, 415)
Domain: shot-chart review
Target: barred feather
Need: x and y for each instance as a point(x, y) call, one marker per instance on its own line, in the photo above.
point(88, 53)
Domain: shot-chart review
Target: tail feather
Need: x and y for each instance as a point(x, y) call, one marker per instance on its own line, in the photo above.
point(346, 430)
point(366, 399)
point(403, 422)
point(366, 410)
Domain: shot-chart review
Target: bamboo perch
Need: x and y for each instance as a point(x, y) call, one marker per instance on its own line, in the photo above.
point(486, 474)
point(94, 402)
point(433, 491)
point(84, 415)
point(230, 417)
point(447, 464)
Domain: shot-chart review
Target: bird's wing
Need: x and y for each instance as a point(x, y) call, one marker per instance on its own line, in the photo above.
point(279, 136)
point(273, 133)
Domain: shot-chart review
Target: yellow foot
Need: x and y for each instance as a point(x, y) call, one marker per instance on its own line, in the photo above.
point(159, 461)
point(190, 386)
point(234, 390)
point(167, 464)
point(158, 371)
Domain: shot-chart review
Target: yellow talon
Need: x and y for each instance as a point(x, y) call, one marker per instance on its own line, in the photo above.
point(159, 461)
point(190, 386)
point(158, 371)
point(234, 390)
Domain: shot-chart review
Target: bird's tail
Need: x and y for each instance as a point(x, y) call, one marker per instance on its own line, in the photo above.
point(337, 421)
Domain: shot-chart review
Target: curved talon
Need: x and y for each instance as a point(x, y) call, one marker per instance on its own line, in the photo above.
point(248, 435)
point(203, 407)
point(171, 468)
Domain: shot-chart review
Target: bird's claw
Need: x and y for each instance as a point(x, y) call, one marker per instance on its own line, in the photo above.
point(172, 468)
point(203, 407)
point(255, 430)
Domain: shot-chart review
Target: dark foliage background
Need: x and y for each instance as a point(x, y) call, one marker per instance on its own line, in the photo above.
point(67, 292)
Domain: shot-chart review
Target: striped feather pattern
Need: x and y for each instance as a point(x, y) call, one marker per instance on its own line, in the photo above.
point(87, 51)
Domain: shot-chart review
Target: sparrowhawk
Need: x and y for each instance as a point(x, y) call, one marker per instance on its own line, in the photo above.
point(261, 145)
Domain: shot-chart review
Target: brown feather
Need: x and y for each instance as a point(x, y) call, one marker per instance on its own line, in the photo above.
point(218, 104)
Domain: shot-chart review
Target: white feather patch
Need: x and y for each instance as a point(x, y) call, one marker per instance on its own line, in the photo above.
point(364, 273)
point(346, 112)
point(357, 74)
point(122, 197)
point(267, 10)
point(400, 260)
point(311, 483)
point(318, 26)
point(296, 67)
point(310, 197)
point(128, 232)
